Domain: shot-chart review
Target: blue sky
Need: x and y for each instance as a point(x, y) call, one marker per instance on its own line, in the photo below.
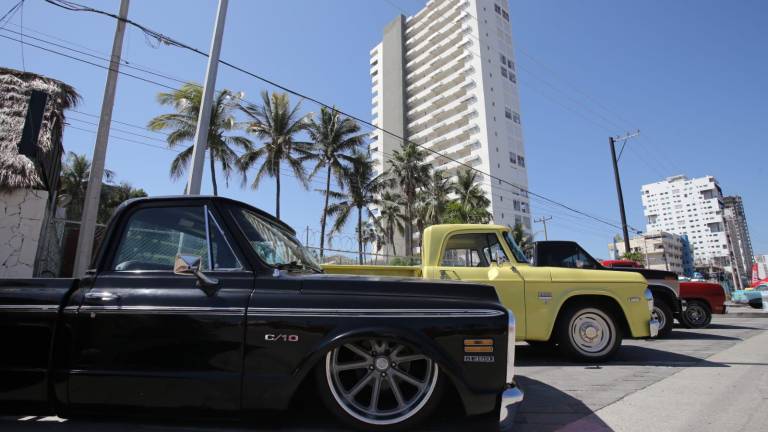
point(692, 76)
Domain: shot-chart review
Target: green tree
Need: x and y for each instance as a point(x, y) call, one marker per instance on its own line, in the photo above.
point(113, 196)
point(182, 125)
point(433, 199)
point(362, 188)
point(332, 136)
point(522, 239)
point(391, 218)
point(73, 182)
point(472, 202)
point(276, 124)
point(410, 172)
point(635, 256)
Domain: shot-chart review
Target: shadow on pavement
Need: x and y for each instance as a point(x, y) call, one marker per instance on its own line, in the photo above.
point(692, 335)
point(627, 355)
point(546, 408)
point(731, 327)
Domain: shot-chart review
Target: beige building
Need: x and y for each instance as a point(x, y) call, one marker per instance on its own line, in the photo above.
point(660, 250)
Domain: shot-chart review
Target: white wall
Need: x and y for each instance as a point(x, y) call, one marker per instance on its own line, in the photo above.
point(21, 218)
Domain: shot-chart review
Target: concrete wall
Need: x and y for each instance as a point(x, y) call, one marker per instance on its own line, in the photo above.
point(21, 217)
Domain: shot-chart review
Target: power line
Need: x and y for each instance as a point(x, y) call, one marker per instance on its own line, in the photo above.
point(167, 40)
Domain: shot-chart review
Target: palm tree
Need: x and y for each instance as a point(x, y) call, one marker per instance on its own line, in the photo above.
point(434, 197)
point(333, 136)
point(276, 124)
point(391, 217)
point(362, 188)
point(74, 181)
point(471, 198)
point(411, 173)
point(522, 239)
point(183, 123)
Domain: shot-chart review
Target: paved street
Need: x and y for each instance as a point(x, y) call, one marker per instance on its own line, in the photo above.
point(713, 379)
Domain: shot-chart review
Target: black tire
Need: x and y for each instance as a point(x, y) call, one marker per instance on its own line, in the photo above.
point(328, 380)
point(542, 346)
point(588, 332)
point(662, 311)
point(697, 315)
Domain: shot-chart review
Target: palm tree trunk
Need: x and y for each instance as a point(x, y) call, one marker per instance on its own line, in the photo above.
point(213, 174)
point(392, 242)
point(408, 228)
point(325, 211)
point(360, 234)
point(277, 192)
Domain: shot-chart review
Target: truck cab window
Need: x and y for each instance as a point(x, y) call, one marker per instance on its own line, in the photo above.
point(153, 237)
point(473, 250)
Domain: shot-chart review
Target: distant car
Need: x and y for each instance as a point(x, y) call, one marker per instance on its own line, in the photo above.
point(751, 294)
point(702, 300)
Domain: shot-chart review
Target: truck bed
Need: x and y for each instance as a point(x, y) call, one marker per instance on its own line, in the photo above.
point(374, 270)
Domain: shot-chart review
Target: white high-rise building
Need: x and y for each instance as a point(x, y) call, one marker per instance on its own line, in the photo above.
point(445, 78)
point(693, 207)
point(738, 233)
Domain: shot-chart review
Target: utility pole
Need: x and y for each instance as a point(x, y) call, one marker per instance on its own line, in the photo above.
point(204, 118)
point(306, 243)
point(544, 220)
point(93, 192)
point(615, 160)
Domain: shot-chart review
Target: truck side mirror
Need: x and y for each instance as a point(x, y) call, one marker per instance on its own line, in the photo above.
point(190, 265)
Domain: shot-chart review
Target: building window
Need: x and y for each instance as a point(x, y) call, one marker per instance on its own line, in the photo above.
point(505, 15)
point(521, 161)
point(516, 205)
point(511, 64)
point(503, 71)
point(512, 158)
point(507, 112)
point(512, 77)
point(497, 8)
point(503, 59)
point(516, 118)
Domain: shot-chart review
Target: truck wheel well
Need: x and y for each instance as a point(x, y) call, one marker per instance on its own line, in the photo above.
point(664, 294)
point(610, 304)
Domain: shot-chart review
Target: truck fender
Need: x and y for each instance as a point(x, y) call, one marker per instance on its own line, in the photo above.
point(317, 354)
point(574, 296)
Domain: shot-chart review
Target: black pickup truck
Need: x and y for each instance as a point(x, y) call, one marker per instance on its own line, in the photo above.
point(206, 305)
point(664, 285)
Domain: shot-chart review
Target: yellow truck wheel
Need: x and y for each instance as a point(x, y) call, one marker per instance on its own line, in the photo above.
point(588, 333)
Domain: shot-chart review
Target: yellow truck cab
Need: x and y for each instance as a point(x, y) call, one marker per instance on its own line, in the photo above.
point(586, 312)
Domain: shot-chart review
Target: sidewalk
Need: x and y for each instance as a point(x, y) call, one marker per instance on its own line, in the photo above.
point(729, 395)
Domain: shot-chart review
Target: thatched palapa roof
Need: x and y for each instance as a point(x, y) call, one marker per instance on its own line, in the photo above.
point(17, 170)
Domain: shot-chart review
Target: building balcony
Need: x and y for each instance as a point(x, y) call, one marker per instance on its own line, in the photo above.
point(427, 18)
point(428, 77)
point(448, 77)
point(417, 48)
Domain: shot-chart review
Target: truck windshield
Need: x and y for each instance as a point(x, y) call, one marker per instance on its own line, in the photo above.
point(274, 245)
point(516, 251)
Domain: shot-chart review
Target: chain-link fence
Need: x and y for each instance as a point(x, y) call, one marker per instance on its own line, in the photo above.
point(57, 246)
point(338, 256)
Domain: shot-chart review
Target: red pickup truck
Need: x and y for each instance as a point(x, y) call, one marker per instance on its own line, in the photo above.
point(702, 300)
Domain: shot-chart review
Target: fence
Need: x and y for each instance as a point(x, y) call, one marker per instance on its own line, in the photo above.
point(57, 246)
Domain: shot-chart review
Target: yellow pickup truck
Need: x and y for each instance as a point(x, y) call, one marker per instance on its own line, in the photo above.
point(585, 312)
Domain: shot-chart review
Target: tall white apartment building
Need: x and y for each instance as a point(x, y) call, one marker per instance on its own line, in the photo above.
point(445, 78)
point(694, 207)
point(738, 233)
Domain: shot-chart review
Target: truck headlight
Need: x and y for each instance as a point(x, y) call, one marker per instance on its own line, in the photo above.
point(510, 347)
point(649, 298)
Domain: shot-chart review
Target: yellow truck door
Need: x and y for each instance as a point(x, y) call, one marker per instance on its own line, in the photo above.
point(480, 257)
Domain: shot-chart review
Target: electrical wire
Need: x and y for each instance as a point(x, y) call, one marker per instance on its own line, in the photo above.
point(163, 39)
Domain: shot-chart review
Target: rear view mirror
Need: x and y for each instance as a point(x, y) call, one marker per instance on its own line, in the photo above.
point(190, 265)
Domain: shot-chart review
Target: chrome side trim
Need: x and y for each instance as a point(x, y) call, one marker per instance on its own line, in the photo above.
point(511, 335)
point(376, 313)
point(29, 308)
point(208, 239)
point(171, 310)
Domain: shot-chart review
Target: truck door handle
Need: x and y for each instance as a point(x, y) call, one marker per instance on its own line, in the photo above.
point(102, 295)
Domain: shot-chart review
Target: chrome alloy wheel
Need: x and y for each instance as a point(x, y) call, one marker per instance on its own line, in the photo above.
point(380, 382)
point(592, 332)
point(660, 316)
